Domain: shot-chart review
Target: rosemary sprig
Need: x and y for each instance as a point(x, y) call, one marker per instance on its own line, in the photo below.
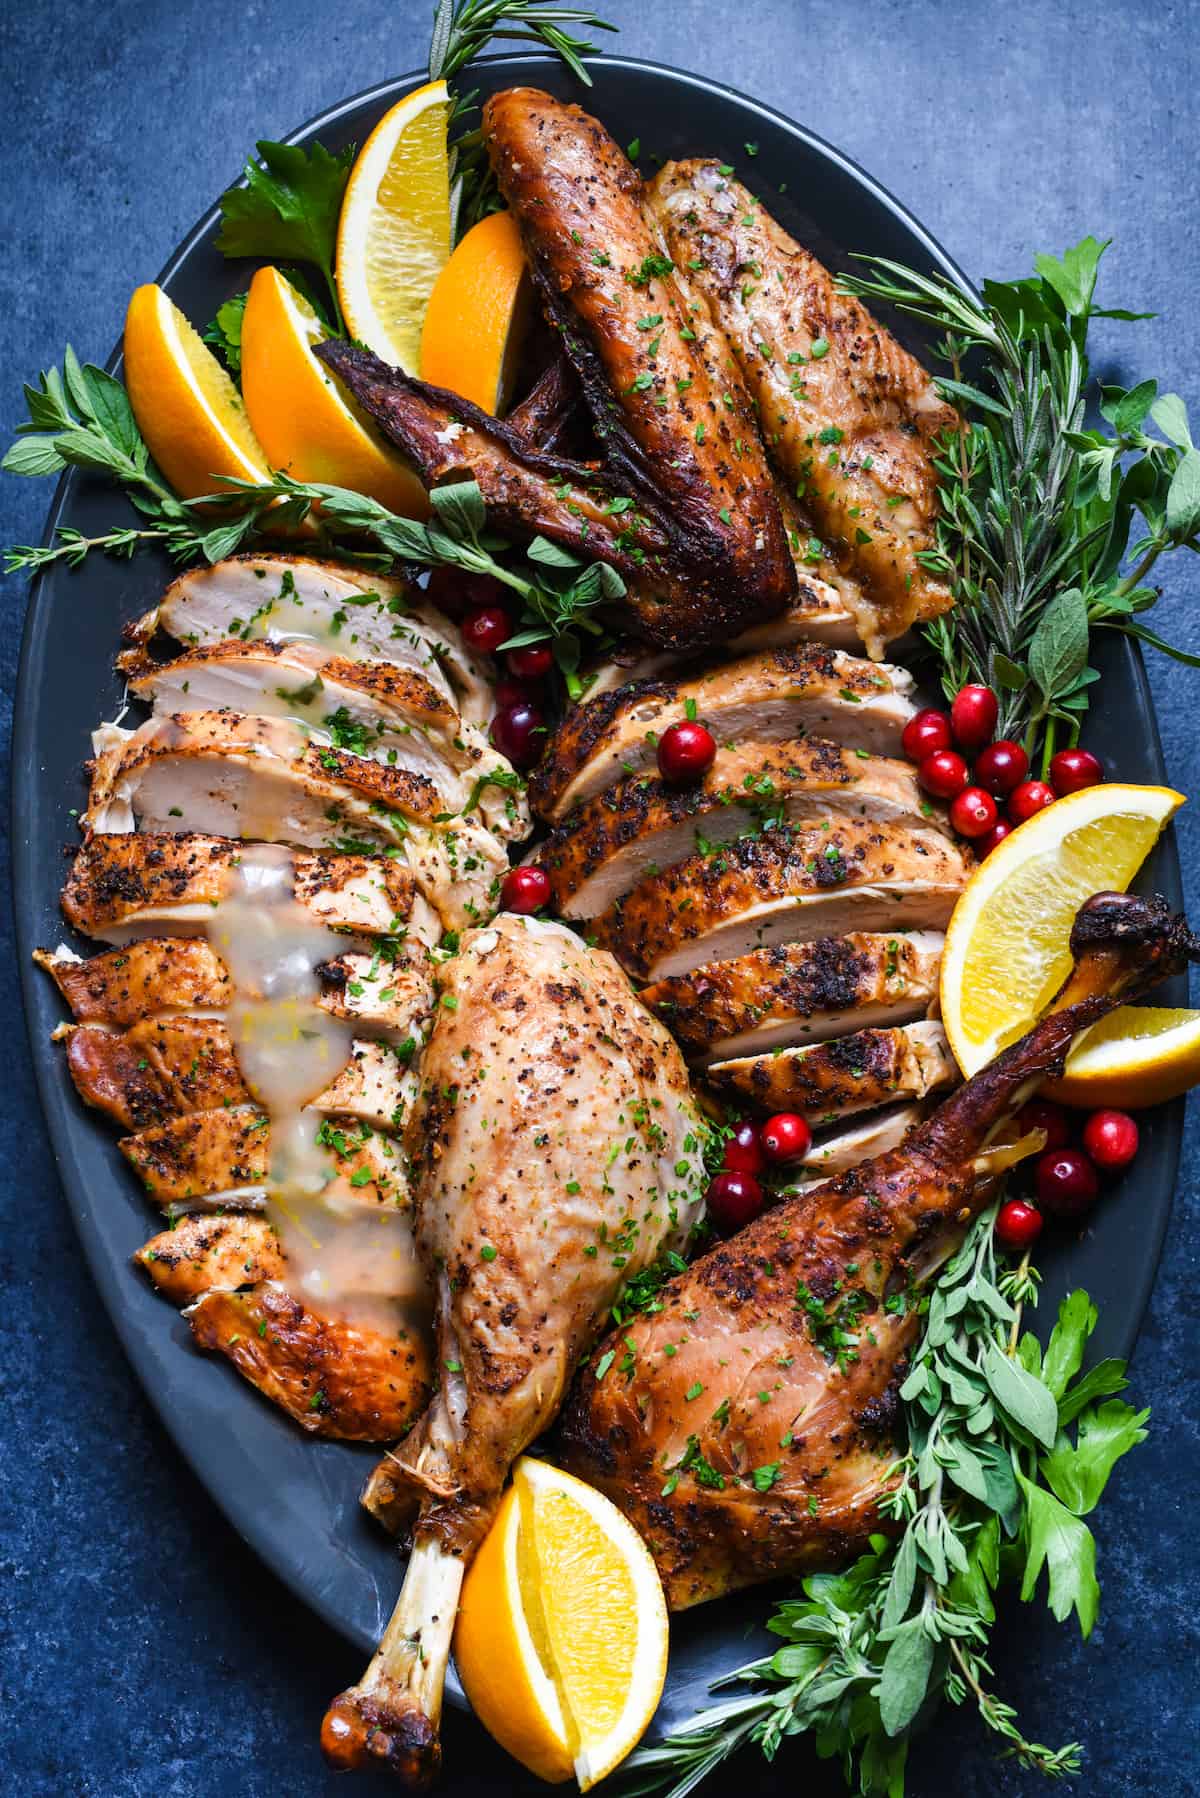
point(993, 1485)
point(462, 28)
point(1037, 509)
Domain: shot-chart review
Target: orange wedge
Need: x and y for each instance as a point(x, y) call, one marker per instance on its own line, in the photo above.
point(561, 1642)
point(186, 406)
point(1138, 1055)
point(479, 312)
point(306, 422)
point(394, 232)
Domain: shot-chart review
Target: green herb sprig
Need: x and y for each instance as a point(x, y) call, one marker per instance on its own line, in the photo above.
point(288, 211)
point(1009, 1451)
point(1037, 509)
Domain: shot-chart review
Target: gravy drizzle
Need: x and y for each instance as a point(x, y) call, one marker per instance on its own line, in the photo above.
point(349, 1250)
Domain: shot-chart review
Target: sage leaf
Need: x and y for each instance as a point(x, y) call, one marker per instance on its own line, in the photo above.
point(1058, 650)
point(1021, 1396)
point(1183, 497)
point(905, 1678)
point(110, 407)
point(1170, 415)
point(1001, 1492)
point(1008, 674)
point(1065, 1547)
point(900, 1586)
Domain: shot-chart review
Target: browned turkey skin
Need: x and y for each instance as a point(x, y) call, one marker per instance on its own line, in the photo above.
point(779, 1463)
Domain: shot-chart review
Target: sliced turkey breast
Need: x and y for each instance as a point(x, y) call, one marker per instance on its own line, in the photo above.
point(392, 715)
point(171, 1067)
point(222, 1157)
point(373, 1088)
point(364, 616)
point(202, 1254)
point(611, 842)
point(799, 993)
point(157, 976)
point(343, 1381)
point(831, 1080)
point(783, 694)
point(259, 779)
point(386, 993)
point(123, 888)
point(158, 1069)
point(785, 885)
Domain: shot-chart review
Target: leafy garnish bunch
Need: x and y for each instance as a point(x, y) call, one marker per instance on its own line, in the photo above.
point(1009, 1451)
point(1037, 504)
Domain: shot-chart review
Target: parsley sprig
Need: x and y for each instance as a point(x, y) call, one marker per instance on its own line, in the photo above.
point(1038, 507)
point(1009, 1451)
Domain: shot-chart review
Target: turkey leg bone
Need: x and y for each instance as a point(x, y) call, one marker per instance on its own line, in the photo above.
point(556, 1149)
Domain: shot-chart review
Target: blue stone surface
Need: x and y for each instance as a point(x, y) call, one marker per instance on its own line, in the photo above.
point(145, 1652)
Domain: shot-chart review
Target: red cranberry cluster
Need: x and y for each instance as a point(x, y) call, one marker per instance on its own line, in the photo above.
point(939, 742)
point(519, 726)
point(1066, 1178)
point(735, 1196)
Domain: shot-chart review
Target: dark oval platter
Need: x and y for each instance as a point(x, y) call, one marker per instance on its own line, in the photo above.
point(296, 1501)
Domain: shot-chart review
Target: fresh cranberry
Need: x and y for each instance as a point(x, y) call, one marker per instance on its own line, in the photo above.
point(733, 1200)
point(1018, 1224)
point(519, 732)
point(1030, 797)
point(1071, 770)
point(1111, 1139)
point(785, 1137)
point(1001, 767)
point(743, 1151)
point(944, 774)
point(973, 715)
point(994, 837)
point(1040, 1114)
point(973, 813)
point(533, 662)
point(1066, 1182)
point(925, 734)
point(509, 692)
point(486, 628)
point(686, 751)
point(525, 889)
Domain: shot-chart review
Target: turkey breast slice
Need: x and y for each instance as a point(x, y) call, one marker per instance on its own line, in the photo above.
point(205, 1254)
point(392, 715)
point(364, 616)
point(223, 1157)
point(260, 779)
point(799, 993)
point(609, 843)
point(830, 1080)
point(809, 690)
point(171, 1067)
point(346, 1382)
point(785, 885)
point(122, 888)
point(387, 992)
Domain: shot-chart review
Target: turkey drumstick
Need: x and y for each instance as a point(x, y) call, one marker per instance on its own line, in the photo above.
point(556, 1150)
point(753, 1434)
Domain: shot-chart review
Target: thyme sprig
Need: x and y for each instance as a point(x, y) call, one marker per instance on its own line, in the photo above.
point(1038, 507)
point(1009, 1450)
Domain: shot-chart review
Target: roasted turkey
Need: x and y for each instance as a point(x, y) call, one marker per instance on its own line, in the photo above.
point(748, 1427)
